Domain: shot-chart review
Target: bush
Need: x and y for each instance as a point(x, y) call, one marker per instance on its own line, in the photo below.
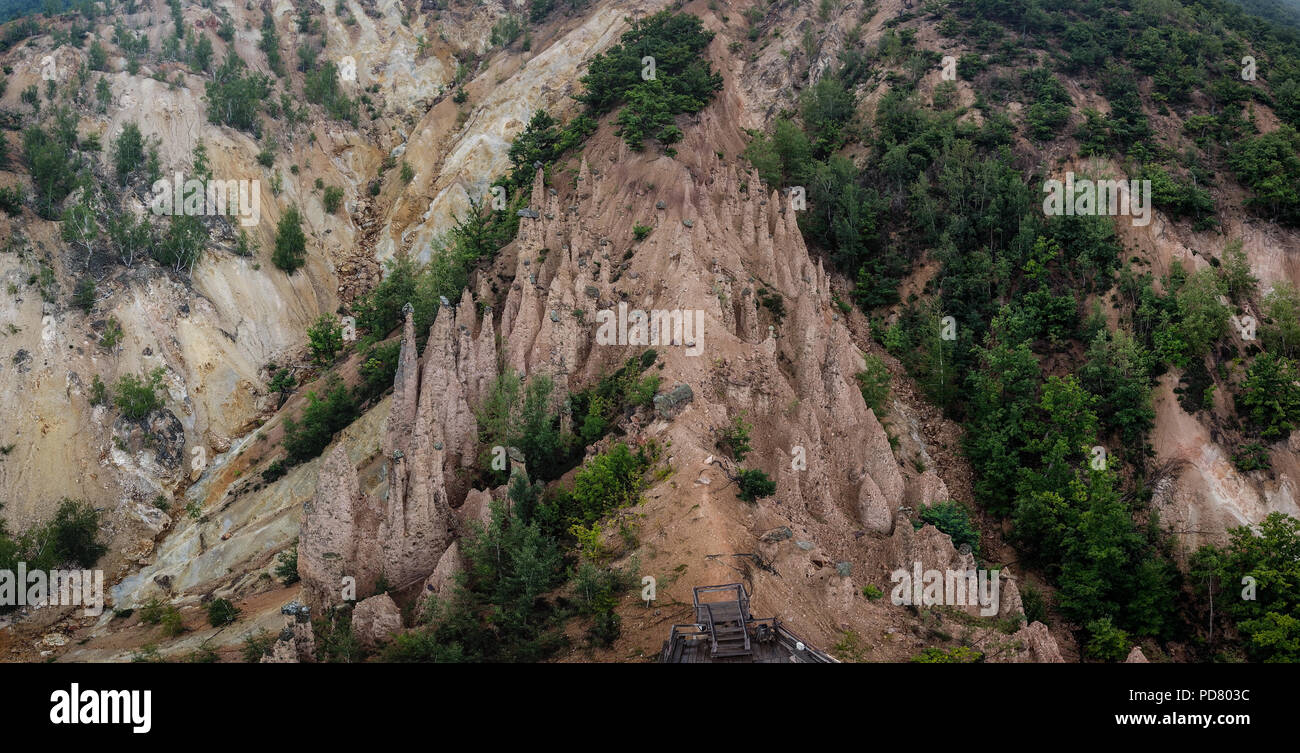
point(53, 166)
point(953, 519)
point(322, 85)
point(234, 97)
point(286, 568)
point(378, 370)
point(1034, 603)
point(1282, 331)
point(609, 481)
point(151, 611)
point(499, 610)
point(320, 420)
point(754, 485)
point(333, 199)
point(1269, 622)
point(734, 439)
point(137, 397)
point(598, 590)
point(957, 655)
point(257, 645)
point(1106, 642)
point(222, 612)
point(11, 200)
point(171, 622)
point(640, 232)
point(873, 381)
point(72, 535)
point(1252, 457)
point(98, 391)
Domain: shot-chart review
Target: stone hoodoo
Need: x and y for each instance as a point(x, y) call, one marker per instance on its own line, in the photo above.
point(431, 431)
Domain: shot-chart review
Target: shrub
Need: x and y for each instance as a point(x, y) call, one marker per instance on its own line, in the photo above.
point(71, 536)
point(640, 232)
point(305, 438)
point(1252, 457)
point(609, 481)
point(754, 485)
point(333, 199)
point(1282, 331)
point(598, 590)
point(151, 611)
point(222, 612)
point(1106, 642)
point(953, 519)
point(98, 391)
point(171, 622)
point(286, 568)
point(872, 592)
point(137, 397)
point(957, 655)
point(1034, 603)
point(378, 370)
point(128, 152)
point(53, 166)
point(11, 199)
point(734, 439)
point(234, 96)
point(257, 645)
point(1267, 553)
point(83, 297)
point(873, 381)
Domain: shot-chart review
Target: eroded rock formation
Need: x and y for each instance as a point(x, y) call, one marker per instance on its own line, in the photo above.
point(431, 431)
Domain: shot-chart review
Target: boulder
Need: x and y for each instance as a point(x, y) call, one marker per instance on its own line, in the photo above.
point(375, 620)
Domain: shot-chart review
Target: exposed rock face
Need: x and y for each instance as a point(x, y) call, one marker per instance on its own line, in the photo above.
point(444, 575)
point(1039, 644)
point(1033, 643)
point(338, 535)
point(1136, 656)
point(477, 507)
point(375, 620)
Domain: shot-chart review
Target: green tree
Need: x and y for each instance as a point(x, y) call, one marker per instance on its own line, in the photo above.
point(1281, 331)
point(325, 337)
point(1270, 396)
point(290, 243)
point(1202, 318)
point(128, 152)
point(53, 167)
point(1268, 553)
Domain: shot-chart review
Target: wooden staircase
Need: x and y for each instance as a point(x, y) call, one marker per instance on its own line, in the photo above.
point(723, 612)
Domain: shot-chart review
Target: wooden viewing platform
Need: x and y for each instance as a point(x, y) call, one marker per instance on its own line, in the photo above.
point(725, 632)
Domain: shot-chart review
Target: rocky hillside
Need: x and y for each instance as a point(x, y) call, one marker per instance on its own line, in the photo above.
point(422, 397)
